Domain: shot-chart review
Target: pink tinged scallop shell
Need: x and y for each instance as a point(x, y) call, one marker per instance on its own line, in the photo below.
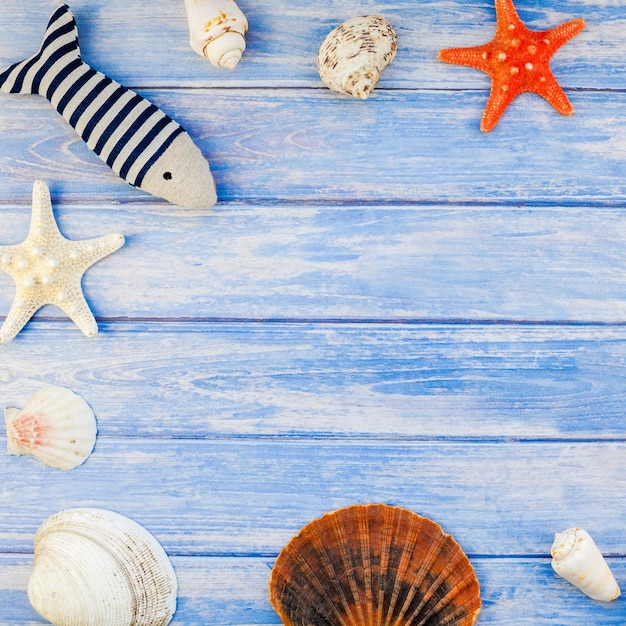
point(56, 426)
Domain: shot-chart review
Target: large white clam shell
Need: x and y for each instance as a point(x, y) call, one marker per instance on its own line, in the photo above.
point(576, 558)
point(56, 426)
point(217, 31)
point(94, 567)
point(353, 55)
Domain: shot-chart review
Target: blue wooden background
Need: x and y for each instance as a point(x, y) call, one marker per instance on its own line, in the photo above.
point(386, 305)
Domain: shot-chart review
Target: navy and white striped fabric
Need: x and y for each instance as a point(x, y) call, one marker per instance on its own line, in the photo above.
point(124, 129)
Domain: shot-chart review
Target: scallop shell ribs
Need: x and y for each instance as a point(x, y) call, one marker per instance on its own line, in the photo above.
point(374, 565)
point(56, 426)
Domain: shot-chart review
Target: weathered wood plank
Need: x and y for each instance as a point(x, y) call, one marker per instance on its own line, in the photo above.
point(231, 497)
point(145, 44)
point(302, 145)
point(363, 262)
point(328, 380)
point(233, 591)
point(224, 435)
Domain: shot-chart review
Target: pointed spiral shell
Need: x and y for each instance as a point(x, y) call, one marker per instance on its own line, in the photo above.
point(217, 30)
point(576, 558)
point(353, 55)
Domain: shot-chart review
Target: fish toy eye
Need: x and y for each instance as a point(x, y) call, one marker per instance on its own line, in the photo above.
point(167, 175)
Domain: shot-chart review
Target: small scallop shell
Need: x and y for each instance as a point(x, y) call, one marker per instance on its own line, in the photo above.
point(217, 30)
point(353, 55)
point(94, 567)
point(56, 426)
point(576, 558)
point(375, 565)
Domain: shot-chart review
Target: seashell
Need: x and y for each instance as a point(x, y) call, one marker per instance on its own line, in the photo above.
point(576, 558)
point(56, 426)
point(353, 55)
point(217, 31)
point(95, 567)
point(377, 565)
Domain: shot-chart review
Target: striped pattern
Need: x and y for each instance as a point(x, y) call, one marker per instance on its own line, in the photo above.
point(124, 129)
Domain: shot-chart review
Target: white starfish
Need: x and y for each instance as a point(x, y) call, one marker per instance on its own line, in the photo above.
point(48, 268)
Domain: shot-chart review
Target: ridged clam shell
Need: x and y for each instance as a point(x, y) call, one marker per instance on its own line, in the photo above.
point(56, 426)
point(576, 558)
point(353, 55)
point(217, 31)
point(374, 565)
point(94, 567)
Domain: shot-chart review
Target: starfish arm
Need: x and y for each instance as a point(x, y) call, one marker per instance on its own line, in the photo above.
point(552, 92)
point(475, 57)
point(8, 256)
point(561, 34)
point(9, 251)
point(499, 100)
point(74, 305)
point(506, 14)
point(18, 316)
point(42, 218)
point(90, 251)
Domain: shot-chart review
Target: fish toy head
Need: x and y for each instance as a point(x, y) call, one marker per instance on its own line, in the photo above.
point(181, 175)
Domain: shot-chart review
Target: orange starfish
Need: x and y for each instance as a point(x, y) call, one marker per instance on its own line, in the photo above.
point(517, 59)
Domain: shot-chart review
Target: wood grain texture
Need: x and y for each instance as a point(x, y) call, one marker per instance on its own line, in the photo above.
point(312, 146)
point(282, 44)
point(378, 381)
point(226, 591)
point(386, 305)
point(363, 262)
point(249, 496)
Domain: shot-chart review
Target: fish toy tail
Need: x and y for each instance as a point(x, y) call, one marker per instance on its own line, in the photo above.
point(60, 46)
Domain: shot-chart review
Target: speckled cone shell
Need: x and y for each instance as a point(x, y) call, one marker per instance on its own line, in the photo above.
point(94, 567)
point(56, 426)
point(217, 31)
point(374, 565)
point(353, 55)
point(576, 558)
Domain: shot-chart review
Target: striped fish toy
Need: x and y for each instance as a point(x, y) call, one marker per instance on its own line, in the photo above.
point(133, 137)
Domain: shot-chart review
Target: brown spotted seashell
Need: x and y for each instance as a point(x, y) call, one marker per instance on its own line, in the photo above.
point(374, 565)
point(353, 55)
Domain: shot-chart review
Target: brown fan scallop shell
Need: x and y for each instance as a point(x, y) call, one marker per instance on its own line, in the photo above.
point(374, 565)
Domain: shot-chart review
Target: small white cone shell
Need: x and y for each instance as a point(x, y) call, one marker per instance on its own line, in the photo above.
point(353, 55)
point(576, 558)
point(56, 426)
point(94, 567)
point(217, 31)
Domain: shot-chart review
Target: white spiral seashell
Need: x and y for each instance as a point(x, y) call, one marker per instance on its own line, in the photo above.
point(353, 55)
point(56, 426)
point(94, 567)
point(576, 558)
point(217, 30)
